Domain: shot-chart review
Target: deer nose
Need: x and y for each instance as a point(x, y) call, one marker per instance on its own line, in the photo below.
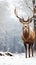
point(25, 26)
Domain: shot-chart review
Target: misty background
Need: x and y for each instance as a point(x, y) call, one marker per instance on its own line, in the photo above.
point(10, 27)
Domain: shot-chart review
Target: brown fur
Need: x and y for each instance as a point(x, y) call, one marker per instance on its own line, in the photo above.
point(30, 38)
point(28, 35)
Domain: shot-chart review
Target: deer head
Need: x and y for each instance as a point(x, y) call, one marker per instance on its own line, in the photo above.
point(25, 27)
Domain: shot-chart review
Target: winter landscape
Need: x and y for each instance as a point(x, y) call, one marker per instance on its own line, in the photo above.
point(17, 59)
point(10, 27)
point(10, 32)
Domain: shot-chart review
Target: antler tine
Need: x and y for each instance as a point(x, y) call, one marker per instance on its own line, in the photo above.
point(15, 13)
point(24, 20)
point(20, 19)
point(29, 20)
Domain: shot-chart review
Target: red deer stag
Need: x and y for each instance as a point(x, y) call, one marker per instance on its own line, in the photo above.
point(28, 35)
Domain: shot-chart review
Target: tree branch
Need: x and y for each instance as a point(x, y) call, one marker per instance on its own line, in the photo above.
point(28, 6)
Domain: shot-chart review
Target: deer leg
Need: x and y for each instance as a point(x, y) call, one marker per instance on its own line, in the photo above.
point(32, 49)
point(29, 49)
point(25, 49)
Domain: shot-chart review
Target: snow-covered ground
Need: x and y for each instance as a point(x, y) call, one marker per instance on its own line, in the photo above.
point(17, 59)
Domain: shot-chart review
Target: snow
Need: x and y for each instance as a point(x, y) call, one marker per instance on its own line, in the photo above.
point(17, 59)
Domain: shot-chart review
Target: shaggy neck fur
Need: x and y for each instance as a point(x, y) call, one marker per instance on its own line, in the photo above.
point(26, 35)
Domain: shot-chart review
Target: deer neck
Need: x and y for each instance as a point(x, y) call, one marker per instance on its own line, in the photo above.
point(26, 35)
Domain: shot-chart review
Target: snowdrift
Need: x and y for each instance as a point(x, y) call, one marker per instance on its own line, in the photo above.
point(17, 59)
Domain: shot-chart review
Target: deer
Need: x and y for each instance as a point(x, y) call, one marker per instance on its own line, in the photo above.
point(27, 34)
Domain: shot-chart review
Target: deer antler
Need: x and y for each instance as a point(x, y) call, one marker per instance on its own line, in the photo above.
point(15, 13)
point(29, 20)
point(20, 19)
